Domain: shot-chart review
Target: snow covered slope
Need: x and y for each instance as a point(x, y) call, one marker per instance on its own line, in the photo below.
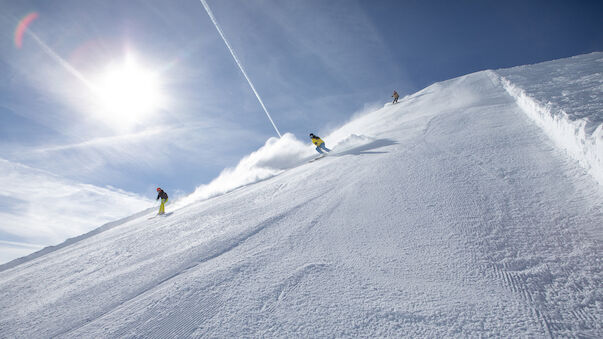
point(448, 214)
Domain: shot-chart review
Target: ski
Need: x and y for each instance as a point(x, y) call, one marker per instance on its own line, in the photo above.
point(160, 215)
point(318, 158)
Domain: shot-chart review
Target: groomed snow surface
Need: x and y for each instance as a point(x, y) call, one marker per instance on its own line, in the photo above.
point(449, 214)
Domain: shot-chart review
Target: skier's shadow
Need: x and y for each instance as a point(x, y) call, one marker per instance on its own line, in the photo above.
point(366, 149)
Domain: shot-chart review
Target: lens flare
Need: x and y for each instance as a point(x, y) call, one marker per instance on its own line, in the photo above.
point(22, 27)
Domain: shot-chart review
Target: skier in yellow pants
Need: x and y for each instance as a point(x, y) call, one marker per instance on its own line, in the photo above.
point(164, 198)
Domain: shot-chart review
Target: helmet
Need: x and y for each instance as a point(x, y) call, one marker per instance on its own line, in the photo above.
point(158, 189)
point(311, 134)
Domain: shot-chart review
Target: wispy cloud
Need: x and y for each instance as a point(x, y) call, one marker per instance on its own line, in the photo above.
point(38, 208)
point(109, 141)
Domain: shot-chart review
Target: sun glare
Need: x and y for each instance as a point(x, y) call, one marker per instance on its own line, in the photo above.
point(128, 93)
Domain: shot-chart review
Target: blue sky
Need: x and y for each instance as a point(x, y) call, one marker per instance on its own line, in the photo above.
point(314, 63)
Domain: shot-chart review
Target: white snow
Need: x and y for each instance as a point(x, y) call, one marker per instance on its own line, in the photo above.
point(449, 214)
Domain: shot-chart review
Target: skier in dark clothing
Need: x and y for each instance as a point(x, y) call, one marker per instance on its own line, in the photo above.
point(395, 96)
point(164, 198)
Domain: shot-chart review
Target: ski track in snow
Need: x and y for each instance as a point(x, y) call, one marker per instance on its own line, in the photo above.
point(459, 217)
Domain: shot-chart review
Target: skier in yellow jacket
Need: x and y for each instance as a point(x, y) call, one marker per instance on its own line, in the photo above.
point(320, 144)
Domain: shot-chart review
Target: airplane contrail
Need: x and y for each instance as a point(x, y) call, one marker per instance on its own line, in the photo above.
point(213, 19)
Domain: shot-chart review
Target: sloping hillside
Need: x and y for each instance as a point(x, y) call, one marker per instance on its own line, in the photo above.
point(448, 214)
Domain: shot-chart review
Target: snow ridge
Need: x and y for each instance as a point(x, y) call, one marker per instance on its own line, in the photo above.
point(563, 97)
point(567, 134)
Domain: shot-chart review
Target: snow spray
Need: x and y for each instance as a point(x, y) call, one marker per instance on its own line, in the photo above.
point(213, 19)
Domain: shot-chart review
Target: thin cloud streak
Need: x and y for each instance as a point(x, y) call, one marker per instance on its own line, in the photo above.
point(105, 141)
point(19, 244)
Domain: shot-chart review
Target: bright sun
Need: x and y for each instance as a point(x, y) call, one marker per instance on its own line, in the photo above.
point(127, 93)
